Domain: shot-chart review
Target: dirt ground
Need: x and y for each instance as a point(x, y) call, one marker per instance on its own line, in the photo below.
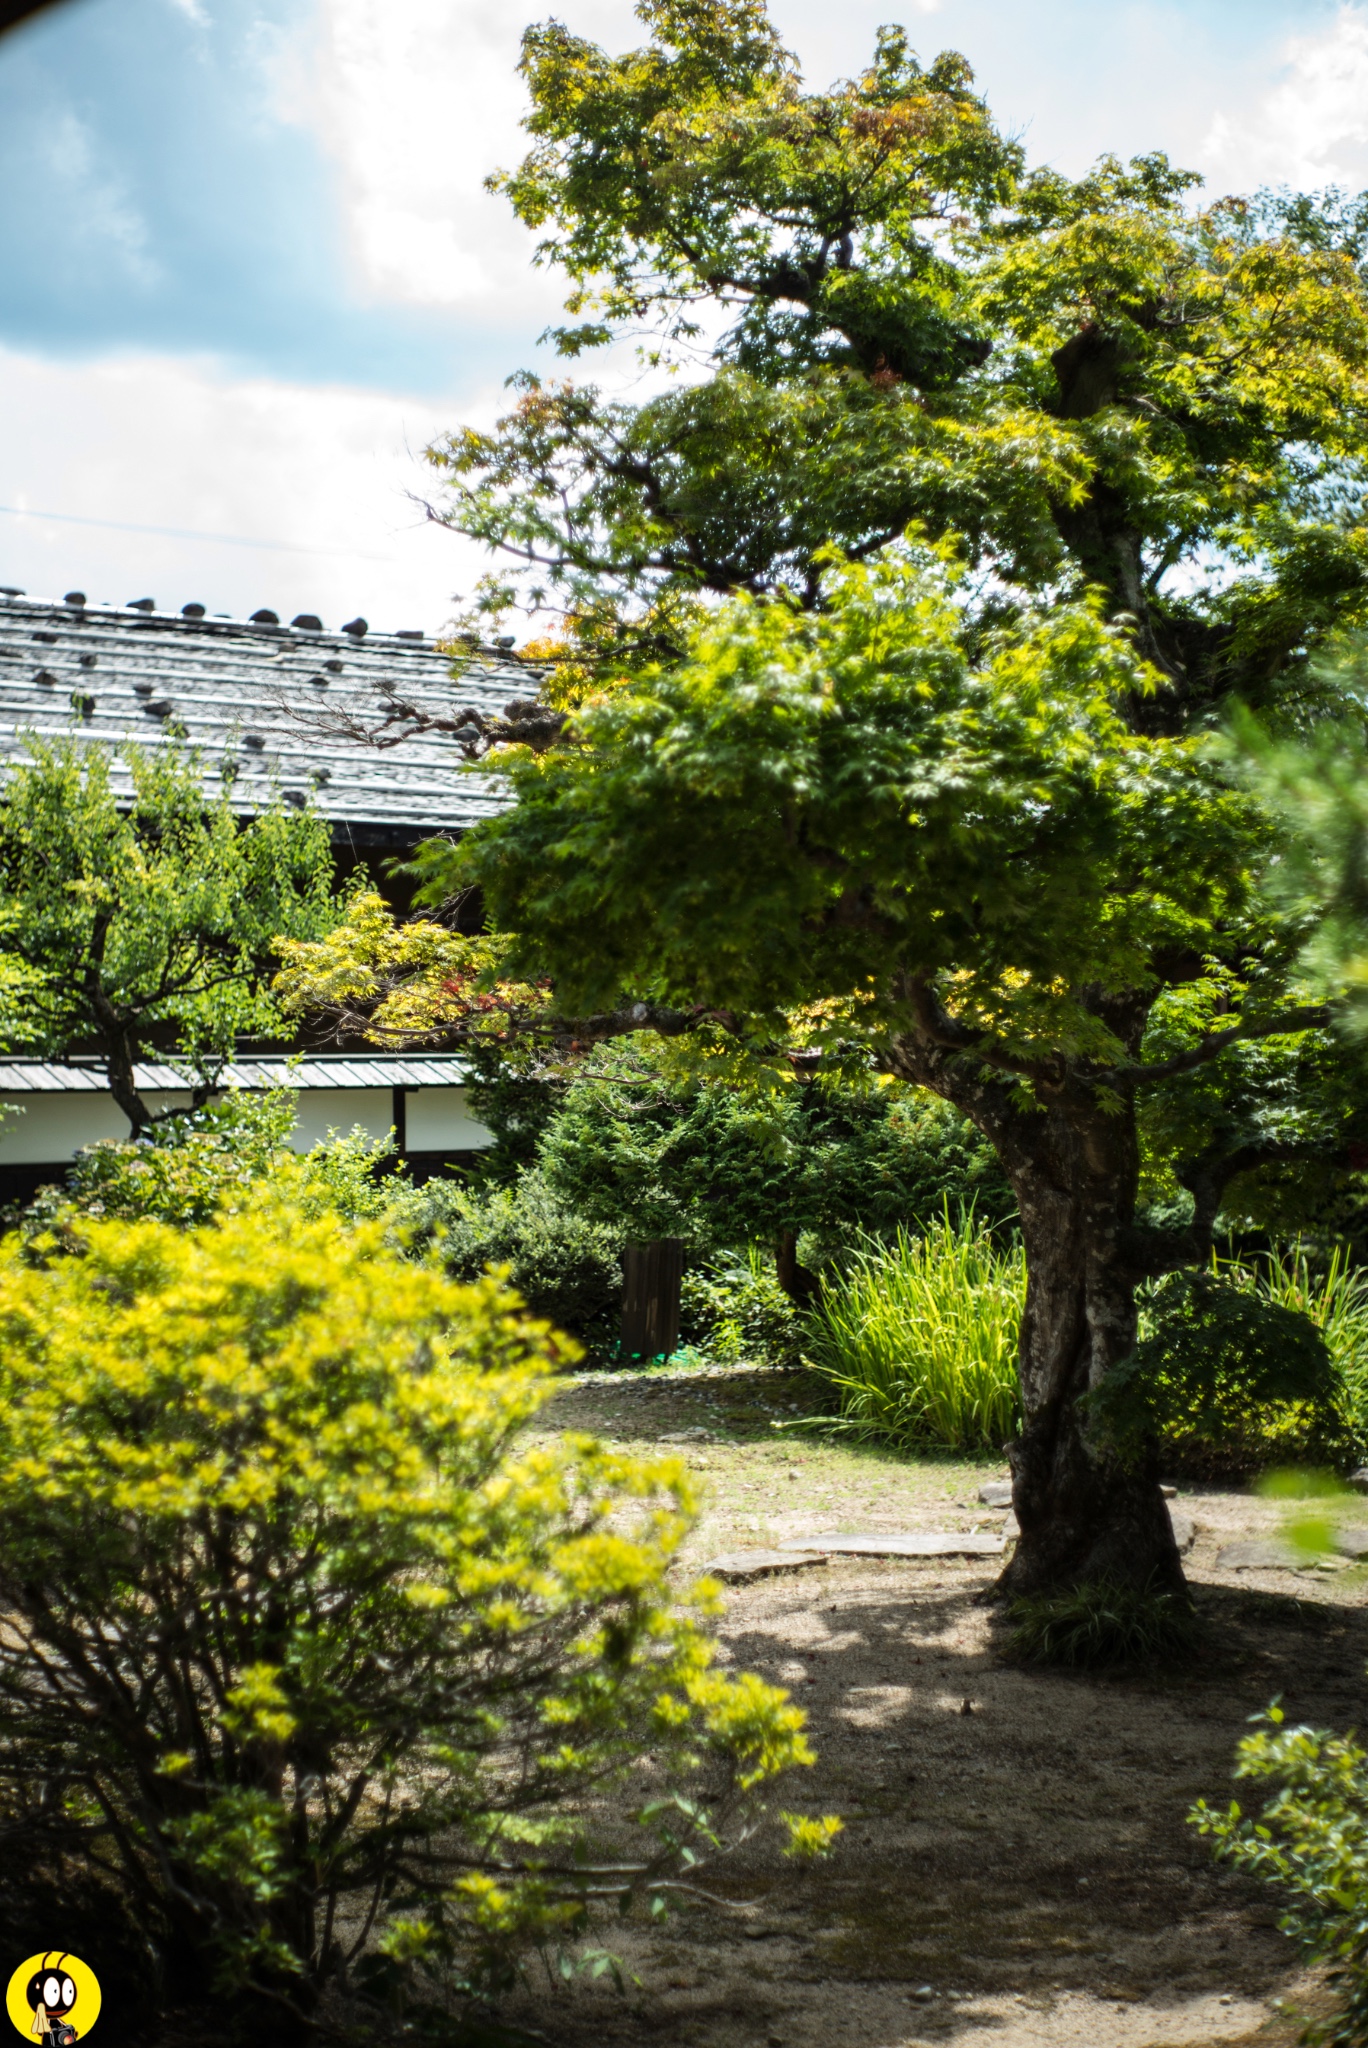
point(1015, 1868)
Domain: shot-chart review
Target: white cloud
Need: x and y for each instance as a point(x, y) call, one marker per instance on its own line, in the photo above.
point(1311, 129)
point(169, 443)
point(418, 104)
point(100, 203)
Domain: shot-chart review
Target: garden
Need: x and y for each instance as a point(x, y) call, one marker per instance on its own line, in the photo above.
point(390, 1660)
point(926, 896)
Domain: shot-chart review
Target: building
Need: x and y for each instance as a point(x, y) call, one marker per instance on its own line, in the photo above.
point(269, 707)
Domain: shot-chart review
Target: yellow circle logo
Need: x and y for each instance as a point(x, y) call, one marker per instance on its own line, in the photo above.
point(53, 1989)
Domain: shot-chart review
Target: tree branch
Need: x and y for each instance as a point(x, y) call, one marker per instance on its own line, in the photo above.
point(945, 1031)
point(1309, 1017)
point(349, 1025)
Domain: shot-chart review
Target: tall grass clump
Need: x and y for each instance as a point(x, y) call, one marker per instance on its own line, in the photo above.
point(1102, 1622)
point(920, 1336)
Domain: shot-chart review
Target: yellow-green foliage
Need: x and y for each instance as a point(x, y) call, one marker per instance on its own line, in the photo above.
point(390, 981)
point(301, 1627)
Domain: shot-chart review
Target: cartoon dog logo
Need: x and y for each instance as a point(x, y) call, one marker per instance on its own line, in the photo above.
point(53, 1999)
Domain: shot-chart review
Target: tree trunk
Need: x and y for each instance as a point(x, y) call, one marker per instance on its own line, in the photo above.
point(797, 1280)
point(123, 1085)
point(1082, 1514)
point(115, 1039)
point(1074, 1168)
point(651, 1275)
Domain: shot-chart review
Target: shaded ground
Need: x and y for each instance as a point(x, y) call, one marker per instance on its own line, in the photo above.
point(1015, 1869)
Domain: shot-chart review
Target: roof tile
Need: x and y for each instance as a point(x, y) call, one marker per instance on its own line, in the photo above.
point(264, 699)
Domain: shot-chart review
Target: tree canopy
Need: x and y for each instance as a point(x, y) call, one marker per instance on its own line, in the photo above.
point(1090, 383)
point(150, 921)
point(631, 1146)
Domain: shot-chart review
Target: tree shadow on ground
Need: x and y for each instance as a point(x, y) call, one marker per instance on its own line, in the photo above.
point(1008, 1832)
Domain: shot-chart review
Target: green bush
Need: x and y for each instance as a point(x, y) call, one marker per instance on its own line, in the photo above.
point(198, 1162)
point(564, 1266)
point(634, 1147)
point(1311, 1842)
point(307, 1646)
point(733, 1308)
point(920, 1337)
point(1224, 1375)
point(1335, 1296)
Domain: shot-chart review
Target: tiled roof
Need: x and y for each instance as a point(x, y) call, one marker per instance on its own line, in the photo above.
point(259, 696)
point(365, 1070)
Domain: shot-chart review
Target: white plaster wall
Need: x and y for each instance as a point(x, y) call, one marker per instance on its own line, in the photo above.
point(338, 1109)
point(437, 1120)
point(51, 1128)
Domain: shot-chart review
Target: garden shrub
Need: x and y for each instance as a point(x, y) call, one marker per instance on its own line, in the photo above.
point(304, 1639)
point(1334, 1294)
point(1311, 1842)
point(733, 1308)
point(565, 1266)
point(620, 1147)
point(634, 1147)
point(514, 1091)
point(919, 1338)
point(197, 1162)
point(1224, 1376)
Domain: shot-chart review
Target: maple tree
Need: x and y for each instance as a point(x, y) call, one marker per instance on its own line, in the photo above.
point(894, 634)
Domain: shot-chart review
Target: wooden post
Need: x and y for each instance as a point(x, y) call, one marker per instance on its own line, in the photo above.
point(652, 1274)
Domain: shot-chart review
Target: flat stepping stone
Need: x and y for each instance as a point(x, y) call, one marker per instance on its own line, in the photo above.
point(1183, 1526)
point(738, 1565)
point(1261, 1556)
point(1285, 1557)
point(918, 1543)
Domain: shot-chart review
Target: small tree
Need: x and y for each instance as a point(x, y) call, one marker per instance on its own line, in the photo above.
point(305, 1645)
point(135, 921)
point(633, 1145)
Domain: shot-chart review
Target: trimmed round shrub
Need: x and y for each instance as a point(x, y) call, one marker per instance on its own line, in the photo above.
point(1223, 1377)
point(566, 1267)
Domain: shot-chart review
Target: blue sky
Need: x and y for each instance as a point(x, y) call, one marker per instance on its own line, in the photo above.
point(248, 267)
point(160, 187)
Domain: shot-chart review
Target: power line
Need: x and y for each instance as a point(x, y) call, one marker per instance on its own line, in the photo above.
point(231, 540)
